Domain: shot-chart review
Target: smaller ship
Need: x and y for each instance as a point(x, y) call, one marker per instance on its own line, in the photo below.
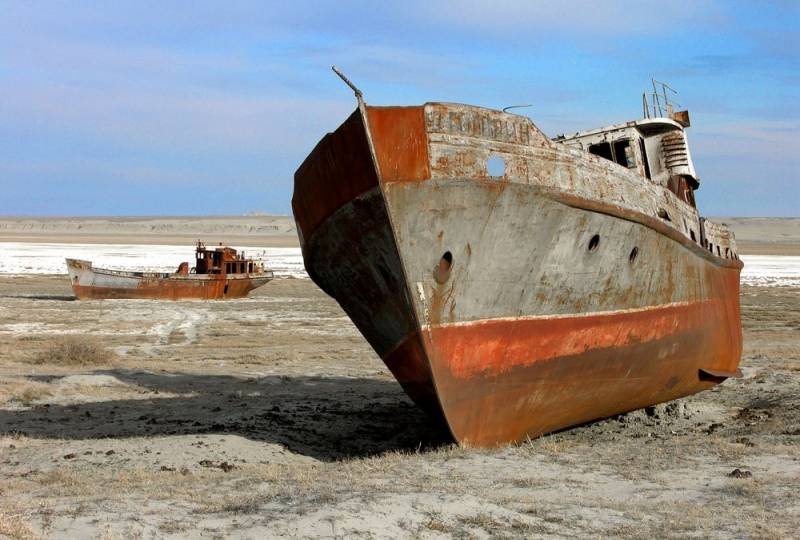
point(218, 273)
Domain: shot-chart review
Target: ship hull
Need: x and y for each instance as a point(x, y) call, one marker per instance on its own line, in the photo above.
point(507, 320)
point(90, 283)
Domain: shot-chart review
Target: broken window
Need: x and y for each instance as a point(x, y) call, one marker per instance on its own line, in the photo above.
point(623, 154)
point(644, 159)
point(602, 149)
point(619, 152)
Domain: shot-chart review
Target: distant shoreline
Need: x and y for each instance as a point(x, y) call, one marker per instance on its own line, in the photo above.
point(246, 231)
point(754, 236)
point(155, 239)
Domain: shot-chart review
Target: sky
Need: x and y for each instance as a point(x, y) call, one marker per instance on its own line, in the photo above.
point(207, 108)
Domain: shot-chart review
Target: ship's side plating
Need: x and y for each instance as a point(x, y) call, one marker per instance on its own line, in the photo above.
point(557, 289)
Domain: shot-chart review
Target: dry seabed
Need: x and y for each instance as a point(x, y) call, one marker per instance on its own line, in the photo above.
point(271, 416)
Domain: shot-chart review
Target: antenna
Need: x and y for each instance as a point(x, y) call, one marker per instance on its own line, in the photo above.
point(505, 109)
point(356, 91)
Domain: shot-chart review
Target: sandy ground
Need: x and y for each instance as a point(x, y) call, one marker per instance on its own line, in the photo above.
point(765, 236)
point(271, 416)
point(249, 230)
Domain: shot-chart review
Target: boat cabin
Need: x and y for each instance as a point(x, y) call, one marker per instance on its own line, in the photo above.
point(655, 146)
point(221, 260)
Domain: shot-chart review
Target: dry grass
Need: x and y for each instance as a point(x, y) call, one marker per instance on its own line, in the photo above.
point(15, 524)
point(75, 351)
point(24, 392)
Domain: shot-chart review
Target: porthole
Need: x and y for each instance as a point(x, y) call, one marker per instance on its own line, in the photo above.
point(594, 242)
point(496, 166)
point(441, 271)
point(633, 255)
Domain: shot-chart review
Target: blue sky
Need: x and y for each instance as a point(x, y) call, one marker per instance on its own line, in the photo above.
point(158, 108)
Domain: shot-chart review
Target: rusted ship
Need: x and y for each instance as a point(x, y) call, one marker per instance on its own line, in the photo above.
point(218, 273)
point(515, 284)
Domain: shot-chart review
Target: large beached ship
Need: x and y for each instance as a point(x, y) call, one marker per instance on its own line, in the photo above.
point(515, 284)
point(218, 273)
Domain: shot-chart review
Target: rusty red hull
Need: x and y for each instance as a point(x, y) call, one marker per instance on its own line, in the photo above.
point(489, 298)
point(215, 290)
point(90, 283)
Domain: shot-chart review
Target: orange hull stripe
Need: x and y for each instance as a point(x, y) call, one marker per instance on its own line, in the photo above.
point(497, 346)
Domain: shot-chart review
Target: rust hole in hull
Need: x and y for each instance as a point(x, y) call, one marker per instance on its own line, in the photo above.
point(442, 270)
point(594, 242)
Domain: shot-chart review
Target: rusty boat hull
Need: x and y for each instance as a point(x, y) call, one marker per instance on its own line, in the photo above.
point(519, 304)
point(89, 283)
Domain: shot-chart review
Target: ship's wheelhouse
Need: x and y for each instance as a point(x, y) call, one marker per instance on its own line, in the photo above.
point(224, 260)
point(656, 148)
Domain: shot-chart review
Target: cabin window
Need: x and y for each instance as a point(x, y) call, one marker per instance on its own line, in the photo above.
point(644, 158)
point(602, 149)
point(623, 154)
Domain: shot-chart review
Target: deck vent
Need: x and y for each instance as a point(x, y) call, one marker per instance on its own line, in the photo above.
point(594, 242)
point(496, 166)
point(442, 270)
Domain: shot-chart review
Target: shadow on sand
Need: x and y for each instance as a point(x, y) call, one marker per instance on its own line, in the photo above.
point(327, 418)
point(54, 297)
